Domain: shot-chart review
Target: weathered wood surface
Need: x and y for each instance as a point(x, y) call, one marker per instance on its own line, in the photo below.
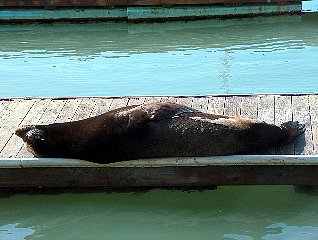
point(204, 172)
point(169, 176)
point(269, 108)
point(106, 3)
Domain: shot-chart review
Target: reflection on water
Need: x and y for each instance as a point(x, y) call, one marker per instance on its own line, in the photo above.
point(237, 236)
point(280, 231)
point(264, 54)
point(292, 232)
point(226, 72)
point(241, 212)
point(14, 232)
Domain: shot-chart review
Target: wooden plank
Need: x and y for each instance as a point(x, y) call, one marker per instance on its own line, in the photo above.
point(234, 160)
point(10, 118)
point(200, 103)
point(216, 105)
point(169, 99)
point(232, 106)
point(283, 109)
point(166, 176)
point(5, 113)
point(206, 176)
point(266, 108)
point(51, 112)
point(195, 172)
point(152, 99)
point(119, 103)
point(313, 103)
point(53, 177)
point(227, 160)
point(136, 101)
point(249, 107)
point(102, 3)
point(301, 112)
point(283, 113)
point(3, 105)
point(15, 143)
point(102, 105)
point(68, 111)
point(36, 112)
point(185, 101)
point(84, 109)
point(6, 130)
point(169, 176)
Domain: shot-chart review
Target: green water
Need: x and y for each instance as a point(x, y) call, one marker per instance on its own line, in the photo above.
point(242, 213)
point(255, 55)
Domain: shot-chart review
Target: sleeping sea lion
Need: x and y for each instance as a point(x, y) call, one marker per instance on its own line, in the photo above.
point(154, 130)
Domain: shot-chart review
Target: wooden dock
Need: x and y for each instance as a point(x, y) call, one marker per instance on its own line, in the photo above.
point(270, 108)
point(139, 10)
point(53, 4)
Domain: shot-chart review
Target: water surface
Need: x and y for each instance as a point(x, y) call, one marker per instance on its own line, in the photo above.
point(241, 213)
point(263, 54)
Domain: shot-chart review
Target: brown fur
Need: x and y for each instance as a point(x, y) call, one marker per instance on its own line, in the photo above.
point(154, 130)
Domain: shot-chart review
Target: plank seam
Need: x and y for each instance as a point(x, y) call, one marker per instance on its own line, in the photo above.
point(311, 128)
point(128, 101)
point(240, 114)
point(93, 108)
point(311, 125)
point(5, 107)
point(208, 105)
point(18, 124)
point(110, 105)
point(59, 114)
point(73, 115)
point(257, 107)
point(223, 110)
point(292, 110)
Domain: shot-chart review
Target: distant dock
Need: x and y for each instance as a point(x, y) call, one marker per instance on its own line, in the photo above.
point(292, 164)
point(139, 10)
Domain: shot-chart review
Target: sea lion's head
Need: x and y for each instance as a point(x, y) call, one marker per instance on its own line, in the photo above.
point(34, 139)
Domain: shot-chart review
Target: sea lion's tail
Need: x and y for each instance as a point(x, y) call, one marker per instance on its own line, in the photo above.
point(294, 129)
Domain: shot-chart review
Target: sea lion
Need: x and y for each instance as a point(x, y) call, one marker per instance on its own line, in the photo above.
point(154, 130)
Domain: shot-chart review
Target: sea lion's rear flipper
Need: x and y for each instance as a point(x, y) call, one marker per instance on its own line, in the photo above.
point(294, 129)
point(164, 110)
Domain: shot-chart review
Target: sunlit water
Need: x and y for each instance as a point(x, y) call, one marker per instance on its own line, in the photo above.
point(263, 54)
point(240, 213)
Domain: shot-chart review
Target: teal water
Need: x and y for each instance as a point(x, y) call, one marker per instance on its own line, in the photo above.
point(256, 55)
point(240, 213)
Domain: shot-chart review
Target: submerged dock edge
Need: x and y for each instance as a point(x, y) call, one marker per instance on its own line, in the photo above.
point(203, 172)
point(146, 13)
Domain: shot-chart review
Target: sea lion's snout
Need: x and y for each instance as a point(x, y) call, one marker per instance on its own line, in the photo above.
point(30, 134)
point(33, 137)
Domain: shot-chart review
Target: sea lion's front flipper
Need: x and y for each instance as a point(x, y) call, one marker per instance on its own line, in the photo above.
point(294, 129)
point(164, 110)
